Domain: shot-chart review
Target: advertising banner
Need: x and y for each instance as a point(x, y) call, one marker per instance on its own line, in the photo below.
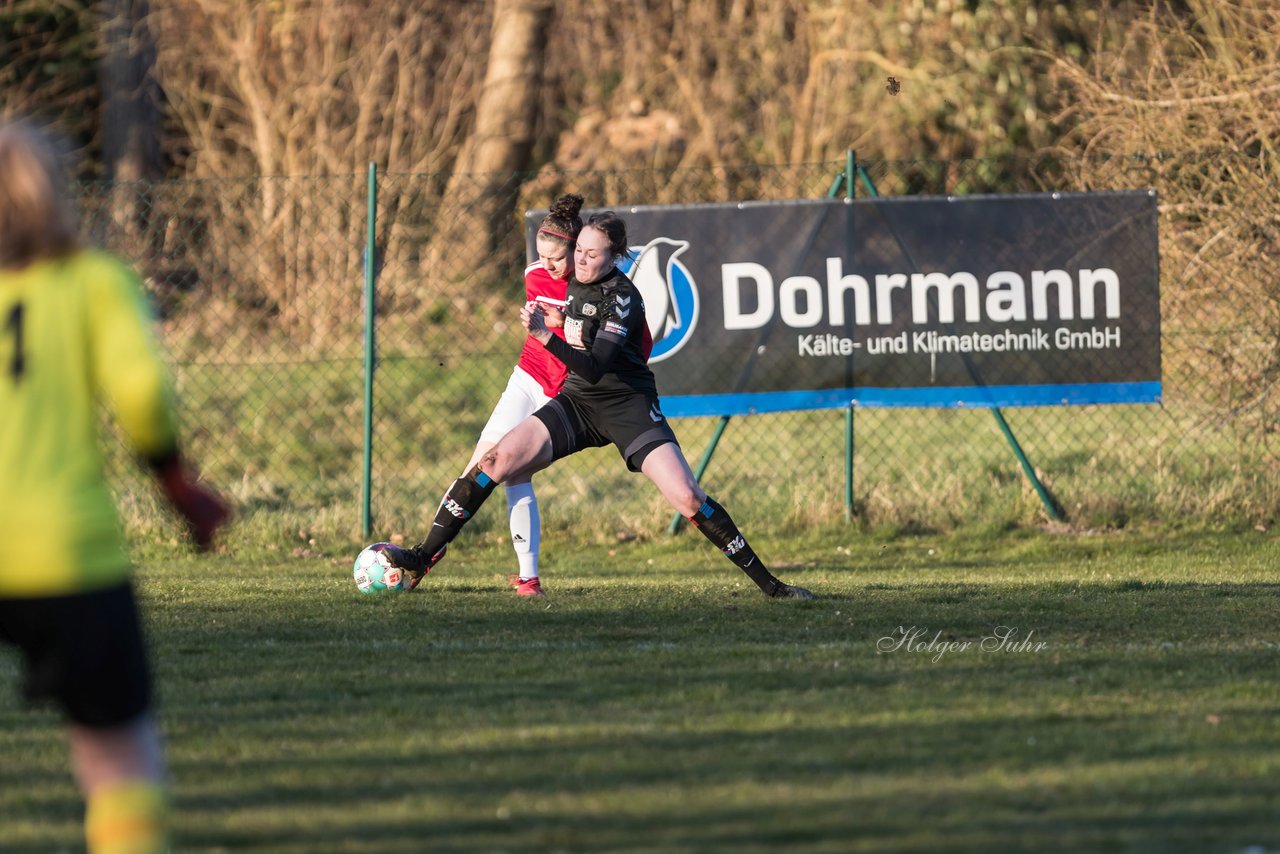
point(1017, 300)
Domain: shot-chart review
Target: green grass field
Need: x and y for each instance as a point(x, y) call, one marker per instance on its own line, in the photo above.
point(655, 702)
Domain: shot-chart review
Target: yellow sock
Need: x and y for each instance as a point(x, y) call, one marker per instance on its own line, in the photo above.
point(127, 818)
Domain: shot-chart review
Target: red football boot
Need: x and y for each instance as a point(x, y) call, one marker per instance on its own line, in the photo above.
point(528, 587)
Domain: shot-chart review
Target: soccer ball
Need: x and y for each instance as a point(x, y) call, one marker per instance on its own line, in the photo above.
point(375, 574)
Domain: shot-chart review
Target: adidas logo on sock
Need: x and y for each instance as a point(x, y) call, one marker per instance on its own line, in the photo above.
point(517, 539)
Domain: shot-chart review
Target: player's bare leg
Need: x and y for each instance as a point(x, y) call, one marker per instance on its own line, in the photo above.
point(121, 772)
point(520, 453)
point(670, 472)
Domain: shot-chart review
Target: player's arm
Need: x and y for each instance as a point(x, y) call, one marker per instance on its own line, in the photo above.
point(552, 312)
point(126, 361)
point(539, 286)
point(130, 372)
point(591, 364)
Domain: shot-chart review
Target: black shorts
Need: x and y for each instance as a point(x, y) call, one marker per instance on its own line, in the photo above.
point(632, 421)
point(84, 652)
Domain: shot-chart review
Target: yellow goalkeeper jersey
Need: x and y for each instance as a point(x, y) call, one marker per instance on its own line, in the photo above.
point(73, 331)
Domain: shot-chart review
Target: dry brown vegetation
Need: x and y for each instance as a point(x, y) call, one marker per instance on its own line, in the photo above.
point(289, 91)
point(324, 86)
point(1195, 88)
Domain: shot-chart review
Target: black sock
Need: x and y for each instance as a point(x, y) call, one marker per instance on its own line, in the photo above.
point(714, 523)
point(460, 503)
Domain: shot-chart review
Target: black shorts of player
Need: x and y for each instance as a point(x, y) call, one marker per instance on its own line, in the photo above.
point(83, 652)
point(631, 421)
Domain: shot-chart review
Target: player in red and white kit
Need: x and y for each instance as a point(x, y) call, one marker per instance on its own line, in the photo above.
point(537, 378)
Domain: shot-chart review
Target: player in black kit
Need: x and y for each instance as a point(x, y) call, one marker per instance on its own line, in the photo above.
point(610, 397)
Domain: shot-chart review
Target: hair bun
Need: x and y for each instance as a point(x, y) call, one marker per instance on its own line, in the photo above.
point(567, 206)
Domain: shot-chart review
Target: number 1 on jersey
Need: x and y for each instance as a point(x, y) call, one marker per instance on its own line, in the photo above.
point(13, 323)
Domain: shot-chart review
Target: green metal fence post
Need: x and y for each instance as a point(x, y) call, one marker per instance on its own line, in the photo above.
point(1050, 504)
point(850, 167)
point(370, 353)
point(836, 183)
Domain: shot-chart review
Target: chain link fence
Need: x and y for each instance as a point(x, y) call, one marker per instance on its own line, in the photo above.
point(258, 284)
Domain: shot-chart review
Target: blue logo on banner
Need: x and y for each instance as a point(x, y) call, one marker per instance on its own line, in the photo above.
point(669, 293)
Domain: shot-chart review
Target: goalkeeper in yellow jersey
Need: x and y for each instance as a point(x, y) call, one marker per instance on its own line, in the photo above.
point(74, 329)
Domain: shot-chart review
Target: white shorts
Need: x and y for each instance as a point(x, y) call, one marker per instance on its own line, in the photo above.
point(521, 399)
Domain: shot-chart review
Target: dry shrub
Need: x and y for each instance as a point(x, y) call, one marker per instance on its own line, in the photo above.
point(323, 86)
point(48, 53)
point(787, 81)
point(318, 87)
point(308, 88)
point(1184, 96)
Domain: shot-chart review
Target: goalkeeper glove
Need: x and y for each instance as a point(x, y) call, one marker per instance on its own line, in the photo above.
point(202, 509)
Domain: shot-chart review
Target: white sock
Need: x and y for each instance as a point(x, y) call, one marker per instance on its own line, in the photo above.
point(526, 527)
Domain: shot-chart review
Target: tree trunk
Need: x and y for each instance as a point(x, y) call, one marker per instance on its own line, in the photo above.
point(131, 121)
point(476, 214)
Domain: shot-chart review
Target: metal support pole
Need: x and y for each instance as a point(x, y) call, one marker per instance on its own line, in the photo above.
point(370, 354)
point(1050, 505)
point(835, 185)
point(850, 170)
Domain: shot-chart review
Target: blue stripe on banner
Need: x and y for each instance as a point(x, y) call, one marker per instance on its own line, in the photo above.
point(975, 397)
